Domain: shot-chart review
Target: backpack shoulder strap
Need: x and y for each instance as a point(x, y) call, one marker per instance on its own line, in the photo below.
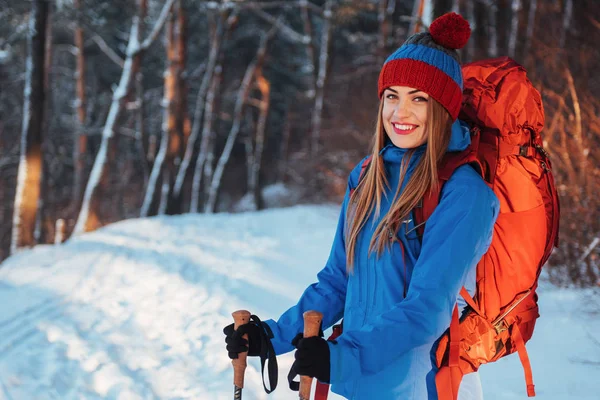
point(363, 170)
point(449, 164)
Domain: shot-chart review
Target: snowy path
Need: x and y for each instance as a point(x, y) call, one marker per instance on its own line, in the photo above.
point(135, 311)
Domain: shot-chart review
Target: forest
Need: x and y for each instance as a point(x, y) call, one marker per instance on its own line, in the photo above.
point(112, 110)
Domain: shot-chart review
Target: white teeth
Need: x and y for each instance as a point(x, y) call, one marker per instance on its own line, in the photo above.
point(404, 127)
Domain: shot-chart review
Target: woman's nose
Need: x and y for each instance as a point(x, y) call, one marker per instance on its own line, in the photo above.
point(402, 109)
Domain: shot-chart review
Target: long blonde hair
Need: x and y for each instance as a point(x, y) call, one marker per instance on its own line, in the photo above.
point(366, 199)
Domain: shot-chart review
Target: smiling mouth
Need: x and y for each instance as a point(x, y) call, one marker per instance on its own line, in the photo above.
point(404, 129)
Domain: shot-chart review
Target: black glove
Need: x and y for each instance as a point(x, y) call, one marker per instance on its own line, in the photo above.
point(259, 336)
point(312, 358)
point(237, 344)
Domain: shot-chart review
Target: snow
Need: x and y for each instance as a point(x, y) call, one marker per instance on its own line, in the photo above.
point(135, 311)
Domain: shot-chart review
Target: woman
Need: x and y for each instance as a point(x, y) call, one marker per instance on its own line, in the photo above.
point(395, 290)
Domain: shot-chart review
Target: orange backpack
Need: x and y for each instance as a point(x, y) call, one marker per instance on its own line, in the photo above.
point(506, 115)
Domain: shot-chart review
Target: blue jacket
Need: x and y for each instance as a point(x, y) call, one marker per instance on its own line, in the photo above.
point(385, 351)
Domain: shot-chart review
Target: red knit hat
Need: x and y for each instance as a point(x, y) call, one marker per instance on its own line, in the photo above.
point(429, 62)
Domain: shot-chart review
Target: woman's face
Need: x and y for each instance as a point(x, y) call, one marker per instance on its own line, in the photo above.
point(404, 116)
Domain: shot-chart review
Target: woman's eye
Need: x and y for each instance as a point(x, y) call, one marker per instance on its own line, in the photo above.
point(420, 99)
point(390, 96)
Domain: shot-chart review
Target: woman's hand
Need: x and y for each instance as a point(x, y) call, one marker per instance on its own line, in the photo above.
point(312, 357)
point(237, 344)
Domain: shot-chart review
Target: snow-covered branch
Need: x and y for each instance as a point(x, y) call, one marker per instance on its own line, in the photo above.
point(288, 32)
point(110, 53)
point(160, 22)
point(240, 5)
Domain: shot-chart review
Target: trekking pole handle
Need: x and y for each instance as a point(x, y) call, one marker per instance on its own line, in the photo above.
point(240, 317)
point(312, 324)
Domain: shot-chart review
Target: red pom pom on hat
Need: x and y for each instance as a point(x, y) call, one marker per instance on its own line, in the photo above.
point(450, 30)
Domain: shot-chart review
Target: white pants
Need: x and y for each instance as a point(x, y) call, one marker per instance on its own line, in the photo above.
point(470, 387)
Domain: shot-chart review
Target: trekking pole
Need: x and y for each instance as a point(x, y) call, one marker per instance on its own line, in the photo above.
point(240, 317)
point(312, 323)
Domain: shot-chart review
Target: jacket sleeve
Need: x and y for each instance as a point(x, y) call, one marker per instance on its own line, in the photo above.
point(456, 236)
point(327, 295)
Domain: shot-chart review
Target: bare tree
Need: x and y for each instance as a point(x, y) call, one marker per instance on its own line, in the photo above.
point(530, 24)
point(456, 6)
point(84, 222)
point(172, 127)
point(204, 161)
point(41, 222)
point(285, 142)
point(138, 102)
point(470, 16)
point(310, 48)
point(578, 135)
point(416, 21)
point(317, 116)
point(492, 28)
point(80, 148)
point(237, 119)
point(567, 17)
point(30, 163)
point(514, 27)
point(384, 30)
point(264, 87)
point(215, 50)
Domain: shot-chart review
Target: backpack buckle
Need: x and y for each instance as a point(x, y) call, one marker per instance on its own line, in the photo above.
point(501, 326)
point(523, 151)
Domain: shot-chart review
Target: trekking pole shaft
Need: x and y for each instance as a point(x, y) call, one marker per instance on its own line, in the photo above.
point(312, 323)
point(240, 317)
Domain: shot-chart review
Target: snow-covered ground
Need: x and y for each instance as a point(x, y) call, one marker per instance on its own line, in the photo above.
point(135, 311)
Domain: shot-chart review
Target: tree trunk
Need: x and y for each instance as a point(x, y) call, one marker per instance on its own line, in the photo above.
point(514, 28)
point(310, 49)
point(567, 17)
point(470, 16)
point(80, 148)
point(530, 25)
point(285, 141)
point(577, 134)
point(250, 128)
point(30, 163)
point(153, 181)
point(237, 117)
point(383, 31)
point(416, 22)
point(210, 148)
point(456, 6)
point(215, 50)
point(321, 78)
point(138, 74)
point(181, 132)
point(173, 119)
point(492, 28)
point(254, 186)
point(87, 219)
point(171, 127)
point(44, 223)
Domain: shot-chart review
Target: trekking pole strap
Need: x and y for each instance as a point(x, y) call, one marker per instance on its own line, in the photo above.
point(267, 353)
